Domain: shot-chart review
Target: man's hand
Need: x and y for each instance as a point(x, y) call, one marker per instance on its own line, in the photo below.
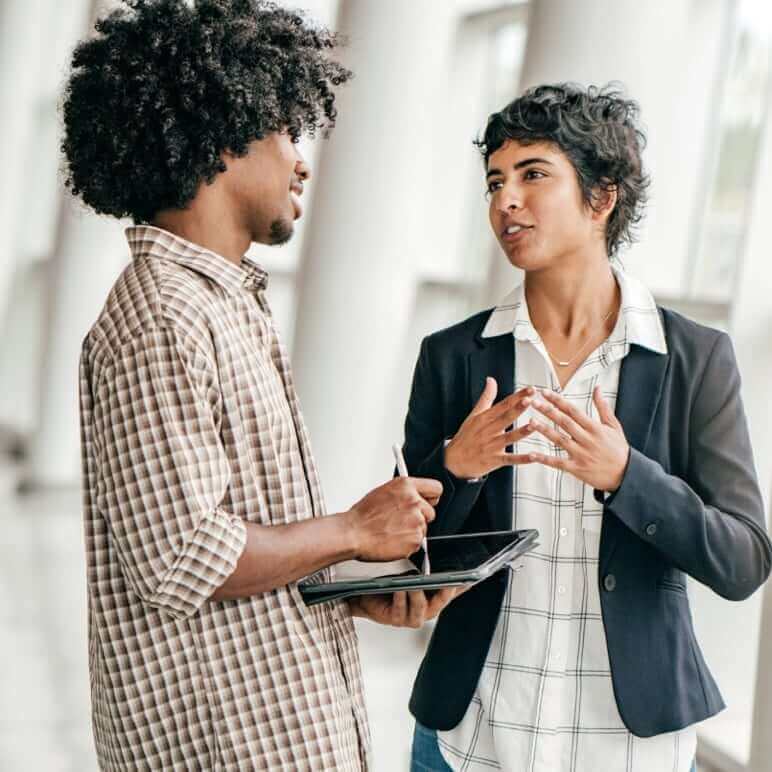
point(403, 609)
point(479, 446)
point(390, 522)
point(597, 450)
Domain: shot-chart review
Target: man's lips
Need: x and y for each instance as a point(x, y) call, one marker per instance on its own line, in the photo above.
point(296, 191)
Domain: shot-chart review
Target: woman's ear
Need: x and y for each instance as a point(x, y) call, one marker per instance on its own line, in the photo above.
point(604, 199)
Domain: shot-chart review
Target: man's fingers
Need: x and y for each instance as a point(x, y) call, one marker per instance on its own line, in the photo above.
point(399, 608)
point(439, 600)
point(487, 397)
point(427, 510)
point(432, 500)
point(427, 488)
point(417, 605)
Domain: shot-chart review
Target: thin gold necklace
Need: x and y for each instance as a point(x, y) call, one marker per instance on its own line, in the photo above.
point(567, 362)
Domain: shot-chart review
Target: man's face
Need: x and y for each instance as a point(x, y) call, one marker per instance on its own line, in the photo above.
point(536, 206)
point(267, 184)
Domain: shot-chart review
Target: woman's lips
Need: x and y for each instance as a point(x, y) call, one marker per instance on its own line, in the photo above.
point(511, 238)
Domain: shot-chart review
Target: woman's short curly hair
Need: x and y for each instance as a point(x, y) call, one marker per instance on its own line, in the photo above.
point(164, 87)
point(598, 130)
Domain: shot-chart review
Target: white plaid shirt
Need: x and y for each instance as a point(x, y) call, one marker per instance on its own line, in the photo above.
point(545, 700)
point(191, 428)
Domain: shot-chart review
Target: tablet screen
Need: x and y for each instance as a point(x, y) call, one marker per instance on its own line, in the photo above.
point(449, 555)
point(460, 553)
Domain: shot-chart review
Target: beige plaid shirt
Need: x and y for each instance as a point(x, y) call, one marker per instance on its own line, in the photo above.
point(190, 428)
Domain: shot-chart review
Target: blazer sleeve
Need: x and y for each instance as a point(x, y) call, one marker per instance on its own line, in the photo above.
point(710, 525)
point(424, 449)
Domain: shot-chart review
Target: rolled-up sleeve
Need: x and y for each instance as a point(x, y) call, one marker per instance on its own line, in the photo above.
point(162, 472)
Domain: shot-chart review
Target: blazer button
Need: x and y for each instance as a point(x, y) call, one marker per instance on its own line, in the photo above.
point(610, 582)
point(651, 529)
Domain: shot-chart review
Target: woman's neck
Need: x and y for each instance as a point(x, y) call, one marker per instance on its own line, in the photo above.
point(568, 302)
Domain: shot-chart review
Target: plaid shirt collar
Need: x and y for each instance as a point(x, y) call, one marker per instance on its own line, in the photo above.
point(635, 324)
point(149, 241)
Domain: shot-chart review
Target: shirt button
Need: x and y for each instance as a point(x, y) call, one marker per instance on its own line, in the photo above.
point(561, 590)
point(651, 529)
point(564, 531)
point(610, 582)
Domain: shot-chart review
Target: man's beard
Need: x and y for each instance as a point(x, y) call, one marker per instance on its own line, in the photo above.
point(281, 232)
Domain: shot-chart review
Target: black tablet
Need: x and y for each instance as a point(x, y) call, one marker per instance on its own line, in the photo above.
point(455, 560)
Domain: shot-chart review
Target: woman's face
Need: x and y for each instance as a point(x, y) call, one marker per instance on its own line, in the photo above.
point(536, 207)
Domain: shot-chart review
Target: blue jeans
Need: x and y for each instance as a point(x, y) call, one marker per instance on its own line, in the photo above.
point(426, 756)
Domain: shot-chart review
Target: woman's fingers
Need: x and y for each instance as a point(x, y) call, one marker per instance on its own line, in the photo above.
point(561, 418)
point(515, 435)
point(510, 409)
point(557, 438)
point(562, 407)
point(515, 459)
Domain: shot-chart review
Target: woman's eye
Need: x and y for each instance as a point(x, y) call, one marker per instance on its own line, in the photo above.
point(534, 174)
point(493, 186)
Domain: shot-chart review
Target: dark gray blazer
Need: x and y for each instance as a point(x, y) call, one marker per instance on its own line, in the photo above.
point(689, 504)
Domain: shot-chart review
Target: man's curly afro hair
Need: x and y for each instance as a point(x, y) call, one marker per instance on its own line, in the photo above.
point(164, 87)
point(598, 129)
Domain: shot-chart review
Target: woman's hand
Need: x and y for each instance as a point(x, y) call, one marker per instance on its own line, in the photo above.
point(597, 450)
point(479, 446)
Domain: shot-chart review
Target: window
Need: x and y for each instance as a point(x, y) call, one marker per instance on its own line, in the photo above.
point(742, 114)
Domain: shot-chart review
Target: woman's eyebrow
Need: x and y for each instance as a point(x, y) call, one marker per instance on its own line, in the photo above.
point(520, 165)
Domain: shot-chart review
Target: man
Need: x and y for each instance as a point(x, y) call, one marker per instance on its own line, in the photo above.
point(631, 457)
point(202, 502)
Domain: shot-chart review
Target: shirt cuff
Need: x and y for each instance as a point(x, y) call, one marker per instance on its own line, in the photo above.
point(208, 558)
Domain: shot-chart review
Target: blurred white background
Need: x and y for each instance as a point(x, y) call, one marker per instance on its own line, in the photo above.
point(395, 244)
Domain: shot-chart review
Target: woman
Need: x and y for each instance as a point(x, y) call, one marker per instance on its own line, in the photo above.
point(631, 457)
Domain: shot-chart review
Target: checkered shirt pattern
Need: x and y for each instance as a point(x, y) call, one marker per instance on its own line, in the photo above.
point(545, 699)
point(191, 428)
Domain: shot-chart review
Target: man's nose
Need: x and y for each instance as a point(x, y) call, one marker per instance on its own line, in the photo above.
point(302, 169)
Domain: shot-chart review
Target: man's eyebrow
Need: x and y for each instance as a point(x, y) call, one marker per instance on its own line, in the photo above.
point(521, 165)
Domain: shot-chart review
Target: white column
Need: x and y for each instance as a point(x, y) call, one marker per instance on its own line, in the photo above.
point(668, 60)
point(761, 740)
point(21, 54)
point(376, 212)
point(751, 328)
point(742, 660)
point(90, 254)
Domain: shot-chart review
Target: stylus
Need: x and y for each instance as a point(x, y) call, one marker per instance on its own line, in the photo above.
point(402, 470)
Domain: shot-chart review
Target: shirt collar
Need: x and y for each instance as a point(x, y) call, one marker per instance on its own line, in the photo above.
point(150, 241)
point(639, 321)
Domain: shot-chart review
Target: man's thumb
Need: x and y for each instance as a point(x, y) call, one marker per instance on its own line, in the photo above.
point(487, 396)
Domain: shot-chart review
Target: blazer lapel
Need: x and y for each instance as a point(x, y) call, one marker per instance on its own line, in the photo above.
point(495, 357)
point(641, 378)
